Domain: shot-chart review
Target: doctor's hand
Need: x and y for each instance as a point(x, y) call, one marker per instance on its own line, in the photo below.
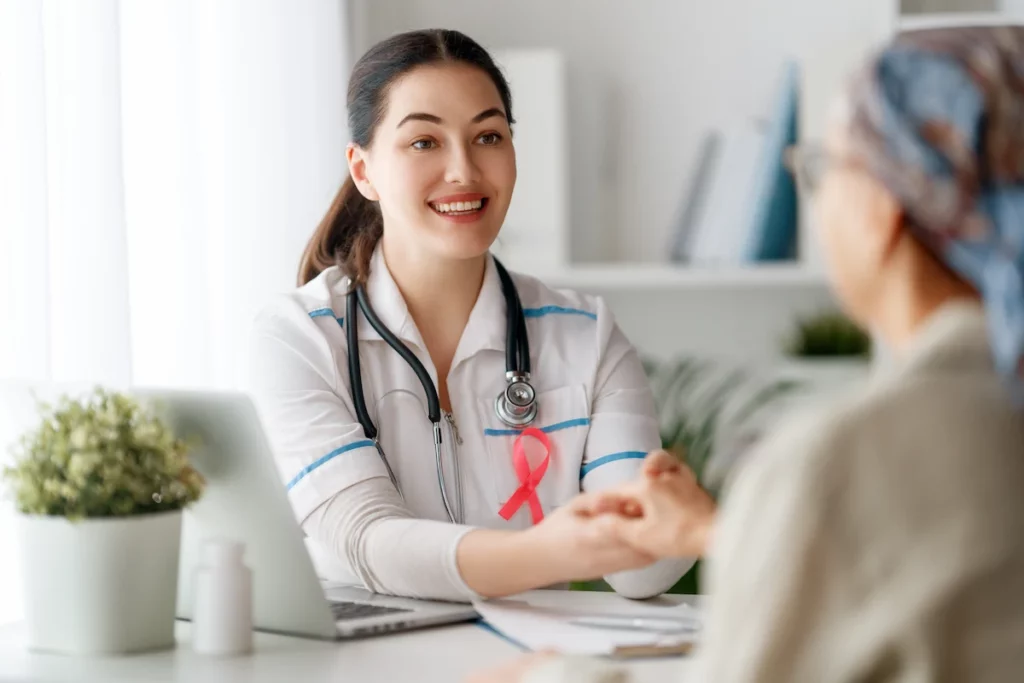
point(578, 543)
point(665, 513)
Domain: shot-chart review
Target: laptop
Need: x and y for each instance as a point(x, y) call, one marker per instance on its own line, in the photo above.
point(245, 500)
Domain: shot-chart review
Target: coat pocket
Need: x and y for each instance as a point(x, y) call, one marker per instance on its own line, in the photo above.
point(563, 414)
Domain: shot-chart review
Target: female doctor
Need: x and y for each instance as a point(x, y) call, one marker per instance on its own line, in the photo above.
point(433, 415)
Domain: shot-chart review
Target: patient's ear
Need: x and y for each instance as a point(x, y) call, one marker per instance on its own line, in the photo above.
point(886, 225)
point(357, 168)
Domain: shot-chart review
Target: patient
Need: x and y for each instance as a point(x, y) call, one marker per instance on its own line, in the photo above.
point(882, 537)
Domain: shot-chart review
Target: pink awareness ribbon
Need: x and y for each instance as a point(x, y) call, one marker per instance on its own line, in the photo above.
point(528, 480)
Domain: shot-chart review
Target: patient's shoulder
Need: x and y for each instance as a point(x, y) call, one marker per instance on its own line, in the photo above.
point(913, 419)
point(907, 455)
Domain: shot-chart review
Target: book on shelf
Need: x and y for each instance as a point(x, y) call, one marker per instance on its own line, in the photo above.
point(694, 200)
point(741, 206)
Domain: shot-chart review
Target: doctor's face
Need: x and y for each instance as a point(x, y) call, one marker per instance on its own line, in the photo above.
point(441, 163)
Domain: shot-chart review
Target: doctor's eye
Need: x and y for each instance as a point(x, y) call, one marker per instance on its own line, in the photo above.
point(423, 144)
point(490, 138)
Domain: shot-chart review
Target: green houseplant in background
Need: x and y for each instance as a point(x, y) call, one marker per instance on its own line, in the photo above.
point(828, 334)
point(701, 403)
point(827, 349)
point(99, 486)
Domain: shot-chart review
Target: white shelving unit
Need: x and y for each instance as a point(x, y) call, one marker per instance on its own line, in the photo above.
point(736, 311)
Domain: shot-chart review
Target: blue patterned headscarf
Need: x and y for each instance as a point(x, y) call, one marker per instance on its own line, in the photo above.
point(938, 118)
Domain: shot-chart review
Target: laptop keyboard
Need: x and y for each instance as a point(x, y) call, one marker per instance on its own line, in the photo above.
point(344, 611)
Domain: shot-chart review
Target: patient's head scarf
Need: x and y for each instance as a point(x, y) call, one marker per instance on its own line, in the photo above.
point(938, 118)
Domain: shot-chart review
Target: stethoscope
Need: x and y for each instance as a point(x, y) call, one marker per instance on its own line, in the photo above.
point(515, 406)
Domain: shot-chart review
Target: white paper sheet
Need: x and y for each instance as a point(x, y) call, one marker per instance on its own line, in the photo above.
point(540, 620)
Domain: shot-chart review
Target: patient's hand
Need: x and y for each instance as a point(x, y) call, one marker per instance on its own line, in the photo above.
point(665, 513)
point(575, 544)
point(549, 666)
point(512, 671)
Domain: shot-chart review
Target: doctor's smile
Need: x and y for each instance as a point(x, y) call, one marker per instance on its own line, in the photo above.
point(465, 207)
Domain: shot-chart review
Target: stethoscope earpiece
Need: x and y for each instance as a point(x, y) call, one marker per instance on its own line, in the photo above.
point(516, 406)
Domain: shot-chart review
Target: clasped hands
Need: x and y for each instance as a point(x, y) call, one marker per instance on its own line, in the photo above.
point(663, 513)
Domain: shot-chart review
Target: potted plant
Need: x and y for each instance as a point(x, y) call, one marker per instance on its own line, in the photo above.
point(99, 487)
point(828, 350)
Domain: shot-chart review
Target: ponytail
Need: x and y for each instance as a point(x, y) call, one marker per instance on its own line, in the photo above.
point(346, 237)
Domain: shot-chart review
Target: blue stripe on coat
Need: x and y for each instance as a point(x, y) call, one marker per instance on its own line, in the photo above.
point(546, 310)
point(577, 422)
point(333, 454)
point(605, 459)
point(326, 313)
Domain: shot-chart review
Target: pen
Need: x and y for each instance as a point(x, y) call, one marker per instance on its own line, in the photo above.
point(657, 624)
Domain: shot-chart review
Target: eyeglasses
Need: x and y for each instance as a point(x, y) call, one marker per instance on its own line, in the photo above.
point(808, 163)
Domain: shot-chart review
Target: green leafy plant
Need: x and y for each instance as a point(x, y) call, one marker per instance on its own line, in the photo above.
point(695, 398)
point(104, 455)
point(828, 334)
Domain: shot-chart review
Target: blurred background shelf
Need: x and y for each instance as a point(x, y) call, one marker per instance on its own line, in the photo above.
point(657, 276)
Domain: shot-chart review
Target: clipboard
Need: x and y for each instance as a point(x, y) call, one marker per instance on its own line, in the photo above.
point(549, 620)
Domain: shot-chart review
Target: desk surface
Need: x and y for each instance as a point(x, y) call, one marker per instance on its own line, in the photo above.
point(445, 654)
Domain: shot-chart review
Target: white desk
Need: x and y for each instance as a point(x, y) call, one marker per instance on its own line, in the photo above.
point(445, 654)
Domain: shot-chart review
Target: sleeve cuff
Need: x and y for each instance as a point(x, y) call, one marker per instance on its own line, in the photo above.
point(647, 582)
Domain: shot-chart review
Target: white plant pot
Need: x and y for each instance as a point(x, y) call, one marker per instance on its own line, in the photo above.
point(100, 586)
point(827, 374)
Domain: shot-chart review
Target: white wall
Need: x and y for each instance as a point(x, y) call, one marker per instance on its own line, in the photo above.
point(723, 323)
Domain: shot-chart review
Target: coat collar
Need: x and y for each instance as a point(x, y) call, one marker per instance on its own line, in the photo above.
point(487, 324)
point(387, 302)
point(485, 328)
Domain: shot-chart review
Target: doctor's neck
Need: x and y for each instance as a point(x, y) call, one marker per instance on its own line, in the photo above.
point(436, 291)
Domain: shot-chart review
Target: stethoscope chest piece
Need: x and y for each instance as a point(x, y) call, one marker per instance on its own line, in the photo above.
point(516, 406)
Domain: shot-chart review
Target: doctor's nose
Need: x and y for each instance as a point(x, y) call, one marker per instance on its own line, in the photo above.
point(461, 170)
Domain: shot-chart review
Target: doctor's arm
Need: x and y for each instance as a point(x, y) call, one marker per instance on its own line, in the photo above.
point(391, 552)
point(623, 430)
point(336, 482)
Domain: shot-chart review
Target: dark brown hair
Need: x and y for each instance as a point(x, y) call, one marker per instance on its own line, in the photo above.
point(349, 231)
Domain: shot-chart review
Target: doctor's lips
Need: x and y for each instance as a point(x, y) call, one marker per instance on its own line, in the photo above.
point(459, 208)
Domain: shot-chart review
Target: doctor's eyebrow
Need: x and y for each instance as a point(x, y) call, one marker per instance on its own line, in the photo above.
point(431, 118)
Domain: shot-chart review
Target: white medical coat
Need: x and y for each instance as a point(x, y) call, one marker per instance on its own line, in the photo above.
point(594, 399)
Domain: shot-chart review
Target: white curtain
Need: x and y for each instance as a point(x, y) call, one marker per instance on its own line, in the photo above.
point(162, 164)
